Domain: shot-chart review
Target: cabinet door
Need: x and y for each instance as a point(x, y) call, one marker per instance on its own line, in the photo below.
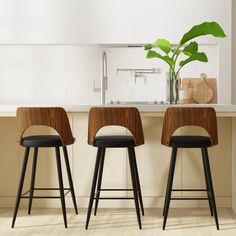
point(105, 21)
point(153, 162)
point(84, 156)
point(9, 167)
point(132, 21)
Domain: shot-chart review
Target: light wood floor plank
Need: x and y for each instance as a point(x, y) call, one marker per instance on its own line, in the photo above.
point(181, 222)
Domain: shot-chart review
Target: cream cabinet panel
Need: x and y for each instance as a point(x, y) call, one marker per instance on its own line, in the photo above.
point(46, 170)
point(9, 157)
point(220, 161)
point(114, 173)
point(233, 168)
point(153, 160)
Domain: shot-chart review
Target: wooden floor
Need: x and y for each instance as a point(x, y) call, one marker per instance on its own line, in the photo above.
point(189, 222)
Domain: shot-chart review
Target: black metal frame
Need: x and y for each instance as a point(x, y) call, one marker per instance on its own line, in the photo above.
point(97, 181)
point(209, 187)
point(32, 188)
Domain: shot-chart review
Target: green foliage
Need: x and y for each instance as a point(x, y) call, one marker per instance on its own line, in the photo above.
point(153, 54)
point(190, 50)
point(199, 56)
point(206, 28)
point(163, 44)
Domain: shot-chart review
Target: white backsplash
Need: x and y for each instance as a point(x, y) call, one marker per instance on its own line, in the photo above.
point(123, 87)
point(49, 74)
point(64, 74)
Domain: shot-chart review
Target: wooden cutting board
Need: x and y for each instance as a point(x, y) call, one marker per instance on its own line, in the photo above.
point(195, 87)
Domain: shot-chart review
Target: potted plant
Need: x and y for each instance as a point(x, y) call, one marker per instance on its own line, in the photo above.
point(170, 53)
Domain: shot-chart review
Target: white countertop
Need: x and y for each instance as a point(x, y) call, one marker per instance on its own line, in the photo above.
point(221, 109)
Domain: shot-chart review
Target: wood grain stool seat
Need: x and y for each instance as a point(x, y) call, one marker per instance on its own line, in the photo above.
point(56, 118)
point(176, 117)
point(129, 118)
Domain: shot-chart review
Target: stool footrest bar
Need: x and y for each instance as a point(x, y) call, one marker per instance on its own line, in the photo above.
point(115, 198)
point(116, 189)
point(189, 198)
point(50, 189)
point(41, 197)
point(24, 194)
point(190, 190)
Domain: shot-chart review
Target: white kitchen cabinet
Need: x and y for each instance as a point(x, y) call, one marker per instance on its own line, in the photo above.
point(132, 21)
point(105, 21)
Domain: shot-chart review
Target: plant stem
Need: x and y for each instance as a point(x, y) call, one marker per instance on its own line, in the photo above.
point(176, 89)
point(170, 86)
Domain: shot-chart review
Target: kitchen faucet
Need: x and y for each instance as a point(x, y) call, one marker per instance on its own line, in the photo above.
point(104, 78)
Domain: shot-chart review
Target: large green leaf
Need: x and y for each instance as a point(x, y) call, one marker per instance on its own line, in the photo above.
point(163, 44)
point(167, 59)
point(148, 47)
point(211, 28)
point(191, 49)
point(199, 56)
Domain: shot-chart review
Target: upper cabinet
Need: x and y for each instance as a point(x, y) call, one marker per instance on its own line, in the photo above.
point(105, 21)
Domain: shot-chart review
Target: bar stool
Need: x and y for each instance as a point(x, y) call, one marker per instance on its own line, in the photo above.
point(176, 118)
point(129, 118)
point(56, 118)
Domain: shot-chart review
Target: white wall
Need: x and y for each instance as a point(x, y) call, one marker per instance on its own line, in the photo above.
point(40, 48)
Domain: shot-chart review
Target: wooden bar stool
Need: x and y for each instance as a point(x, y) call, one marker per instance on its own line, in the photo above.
point(175, 118)
point(129, 118)
point(56, 118)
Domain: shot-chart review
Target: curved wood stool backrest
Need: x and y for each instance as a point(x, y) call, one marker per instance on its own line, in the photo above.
point(176, 117)
point(54, 117)
point(128, 117)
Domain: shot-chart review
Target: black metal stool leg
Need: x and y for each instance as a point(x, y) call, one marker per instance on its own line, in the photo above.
point(61, 187)
point(34, 164)
point(70, 178)
point(167, 189)
point(134, 184)
point(93, 186)
point(163, 213)
point(99, 179)
point(21, 183)
point(137, 181)
point(206, 181)
point(169, 185)
point(208, 171)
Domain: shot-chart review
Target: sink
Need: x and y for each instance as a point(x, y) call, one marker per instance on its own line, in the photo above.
point(136, 102)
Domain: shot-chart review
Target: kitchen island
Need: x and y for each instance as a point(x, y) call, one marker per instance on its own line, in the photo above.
point(152, 157)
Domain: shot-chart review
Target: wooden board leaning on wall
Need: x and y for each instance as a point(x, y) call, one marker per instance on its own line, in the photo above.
point(200, 90)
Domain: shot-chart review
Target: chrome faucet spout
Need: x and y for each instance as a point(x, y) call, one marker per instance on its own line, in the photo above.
point(104, 78)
